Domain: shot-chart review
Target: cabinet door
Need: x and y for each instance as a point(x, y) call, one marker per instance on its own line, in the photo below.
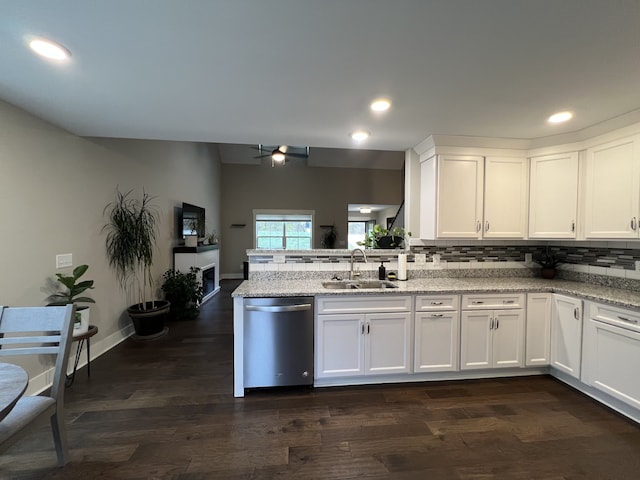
point(553, 196)
point(460, 180)
point(475, 340)
point(611, 360)
point(436, 341)
point(339, 345)
point(566, 334)
point(505, 197)
point(387, 343)
point(538, 330)
point(612, 190)
point(507, 338)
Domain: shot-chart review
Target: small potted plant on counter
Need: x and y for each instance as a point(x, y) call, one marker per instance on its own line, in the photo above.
point(548, 261)
point(380, 237)
point(184, 292)
point(73, 289)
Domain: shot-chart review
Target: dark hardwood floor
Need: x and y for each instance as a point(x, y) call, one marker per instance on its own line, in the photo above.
point(165, 410)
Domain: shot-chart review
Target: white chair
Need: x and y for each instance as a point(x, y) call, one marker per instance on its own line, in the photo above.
point(38, 331)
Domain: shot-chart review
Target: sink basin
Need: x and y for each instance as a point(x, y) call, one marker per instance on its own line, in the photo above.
point(358, 285)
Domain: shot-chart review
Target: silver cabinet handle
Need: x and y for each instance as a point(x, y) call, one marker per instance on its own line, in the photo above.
point(628, 320)
point(368, 328)
point(633, 223)
point(576, 313)
point(478, 226)
point(436, 303)
point(436, 315)
point(491, 324)
point(486, 226)
point(278, 308)
point(362, 328)
point(508, 301)
point(497, 323)
point(573, 226)
point(477, 302)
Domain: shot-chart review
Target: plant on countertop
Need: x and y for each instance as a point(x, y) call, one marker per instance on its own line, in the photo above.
point(380, 237)
point(131, 238)
point(548, 261)
point(184, 292)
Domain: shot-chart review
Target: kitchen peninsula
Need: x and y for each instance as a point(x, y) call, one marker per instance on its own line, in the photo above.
point(461, 323)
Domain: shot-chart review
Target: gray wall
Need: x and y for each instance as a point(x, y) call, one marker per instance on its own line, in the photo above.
point(296, 186)
point(53, 189)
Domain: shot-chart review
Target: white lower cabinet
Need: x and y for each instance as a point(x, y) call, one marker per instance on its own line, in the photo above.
point(538, 330)
point(611, 352)
point(356, 343)
point(566, 334)
point(491, 338)
point(437, 333)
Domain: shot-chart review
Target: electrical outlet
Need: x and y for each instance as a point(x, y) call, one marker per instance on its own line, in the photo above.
point(420, 258)
point(64, 260)
point(528, 257)
point(278, 258)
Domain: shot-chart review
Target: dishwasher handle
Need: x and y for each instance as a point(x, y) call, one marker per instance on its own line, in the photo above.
point(278, 308)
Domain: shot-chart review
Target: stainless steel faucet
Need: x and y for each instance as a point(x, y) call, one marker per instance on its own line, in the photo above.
point(353, 274)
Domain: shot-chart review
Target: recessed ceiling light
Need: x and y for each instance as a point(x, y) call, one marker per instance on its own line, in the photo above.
point(365, 210)
point(49, 49)
point(560, 117)
point(360, 135)
point(380, 105)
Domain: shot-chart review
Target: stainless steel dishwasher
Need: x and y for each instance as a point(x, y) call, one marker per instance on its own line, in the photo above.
point(278, 341)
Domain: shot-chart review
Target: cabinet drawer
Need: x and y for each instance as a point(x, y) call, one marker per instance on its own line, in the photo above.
point(481, 301)
point(621, 317)
point(363, 304)
point(428, 303)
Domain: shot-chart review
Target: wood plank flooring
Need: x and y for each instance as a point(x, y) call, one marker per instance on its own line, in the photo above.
point(165, 410)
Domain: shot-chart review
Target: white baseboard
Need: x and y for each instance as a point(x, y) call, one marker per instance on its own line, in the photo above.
point(43, 381)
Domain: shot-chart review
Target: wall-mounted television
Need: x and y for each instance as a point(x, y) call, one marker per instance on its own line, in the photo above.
point(192, 220)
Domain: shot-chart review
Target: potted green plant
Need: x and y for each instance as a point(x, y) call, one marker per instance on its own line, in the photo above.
point(70, 294)
point(184, 292)
point(548, 261)
point(131, 238)
point(379, 237)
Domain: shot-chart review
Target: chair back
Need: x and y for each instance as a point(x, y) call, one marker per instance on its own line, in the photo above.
point(39, 331)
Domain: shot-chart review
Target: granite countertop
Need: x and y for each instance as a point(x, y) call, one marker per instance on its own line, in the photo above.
point(290, 288)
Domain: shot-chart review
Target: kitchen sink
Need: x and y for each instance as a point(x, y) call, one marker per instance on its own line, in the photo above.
point(357, 285)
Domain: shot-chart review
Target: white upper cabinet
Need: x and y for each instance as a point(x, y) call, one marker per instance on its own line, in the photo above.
point(505, 197)
point(469, 196)
point(612, 190)
point(553, 200)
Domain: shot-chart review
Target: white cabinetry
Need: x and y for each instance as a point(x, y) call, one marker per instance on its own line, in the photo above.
point(612, 189)
point(538, 331)
point(566, 334)
point(492, 331)
point(362, 335)
point(469, 196)
point(611, 352)
point(437, 333)
point(553, 196)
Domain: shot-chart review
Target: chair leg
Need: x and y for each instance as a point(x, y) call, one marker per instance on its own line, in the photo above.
point(60, 438)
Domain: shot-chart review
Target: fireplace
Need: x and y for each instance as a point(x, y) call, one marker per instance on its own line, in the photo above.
point(208, 280)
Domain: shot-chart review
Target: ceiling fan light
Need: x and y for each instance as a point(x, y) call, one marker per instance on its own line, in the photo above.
point(277, 156)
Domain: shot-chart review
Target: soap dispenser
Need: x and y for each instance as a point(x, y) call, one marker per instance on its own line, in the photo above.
point(382, 272)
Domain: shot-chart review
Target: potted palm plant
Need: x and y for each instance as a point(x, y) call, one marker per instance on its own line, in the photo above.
point(131, 238)
point(70, 294)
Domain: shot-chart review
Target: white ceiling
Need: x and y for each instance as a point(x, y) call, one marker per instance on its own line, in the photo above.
point(303, 72)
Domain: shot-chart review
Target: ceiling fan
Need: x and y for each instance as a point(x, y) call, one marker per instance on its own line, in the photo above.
point(280, 153)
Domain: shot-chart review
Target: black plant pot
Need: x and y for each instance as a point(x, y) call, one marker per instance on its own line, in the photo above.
point(149, 323)
point(548, 273)
point(389, 242)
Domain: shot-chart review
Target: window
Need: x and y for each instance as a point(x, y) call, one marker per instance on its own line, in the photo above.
point(284, 230)
point(357, 230)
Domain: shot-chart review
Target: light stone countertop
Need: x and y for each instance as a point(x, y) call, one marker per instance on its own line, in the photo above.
point(294, 288)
